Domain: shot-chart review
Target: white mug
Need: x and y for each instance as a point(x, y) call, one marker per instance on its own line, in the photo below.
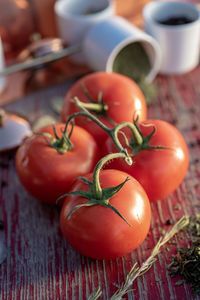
point(105, 40)
point(75, 17)
point(180, 44)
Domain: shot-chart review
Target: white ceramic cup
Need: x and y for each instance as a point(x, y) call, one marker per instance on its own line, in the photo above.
point(180, 44)
point(75, 17)
point(105, 40)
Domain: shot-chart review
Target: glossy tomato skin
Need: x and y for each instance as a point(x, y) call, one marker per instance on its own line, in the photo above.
point(159, 171)
point(123, 96)
point(97, 231)
point(47, 174)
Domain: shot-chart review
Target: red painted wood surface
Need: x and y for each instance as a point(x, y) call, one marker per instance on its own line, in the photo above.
point(41, 265)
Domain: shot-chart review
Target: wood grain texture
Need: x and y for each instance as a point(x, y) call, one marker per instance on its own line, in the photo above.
point(41, 265)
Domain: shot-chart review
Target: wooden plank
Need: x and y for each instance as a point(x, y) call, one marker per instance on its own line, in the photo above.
point(41, 265)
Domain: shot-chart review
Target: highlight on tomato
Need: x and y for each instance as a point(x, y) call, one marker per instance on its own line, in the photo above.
point(112, 97)
point(48, 161)
point(105, 215)
point(160, 159)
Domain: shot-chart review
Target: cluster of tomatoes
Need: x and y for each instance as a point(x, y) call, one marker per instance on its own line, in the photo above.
point(82, 162)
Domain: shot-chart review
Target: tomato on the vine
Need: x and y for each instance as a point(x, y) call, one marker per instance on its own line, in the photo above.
point(118, 97)
point(161, 165)
point(45, 172)
point(97, 231)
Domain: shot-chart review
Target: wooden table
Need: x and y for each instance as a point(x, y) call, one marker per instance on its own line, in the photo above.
point(40, 265)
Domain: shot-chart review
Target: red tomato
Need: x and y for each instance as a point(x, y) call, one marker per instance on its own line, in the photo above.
point(97, 231)
point(159, 171)
point(123, 96)
point(47, 174)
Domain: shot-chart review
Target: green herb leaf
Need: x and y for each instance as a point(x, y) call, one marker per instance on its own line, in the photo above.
point(186, 262)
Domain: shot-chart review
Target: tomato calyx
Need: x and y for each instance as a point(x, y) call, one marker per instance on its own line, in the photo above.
point(145, 141)
point(63, 144)
point(107, 194)
point(96, 195)
point(99, 108)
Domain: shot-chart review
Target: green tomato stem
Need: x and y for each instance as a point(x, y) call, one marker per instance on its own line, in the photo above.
point(97, 195)
point(133, 128)
point(97, 190)
point(86, 113)
point(113, 133)
point(97, 107)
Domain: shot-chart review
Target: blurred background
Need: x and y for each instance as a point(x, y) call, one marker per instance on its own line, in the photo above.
point(24, 21)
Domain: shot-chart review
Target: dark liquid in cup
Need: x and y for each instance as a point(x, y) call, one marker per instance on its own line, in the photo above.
point(175, 20)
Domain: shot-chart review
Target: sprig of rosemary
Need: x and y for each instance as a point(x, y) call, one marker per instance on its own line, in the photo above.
point(136, 271)
point(95, 294)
